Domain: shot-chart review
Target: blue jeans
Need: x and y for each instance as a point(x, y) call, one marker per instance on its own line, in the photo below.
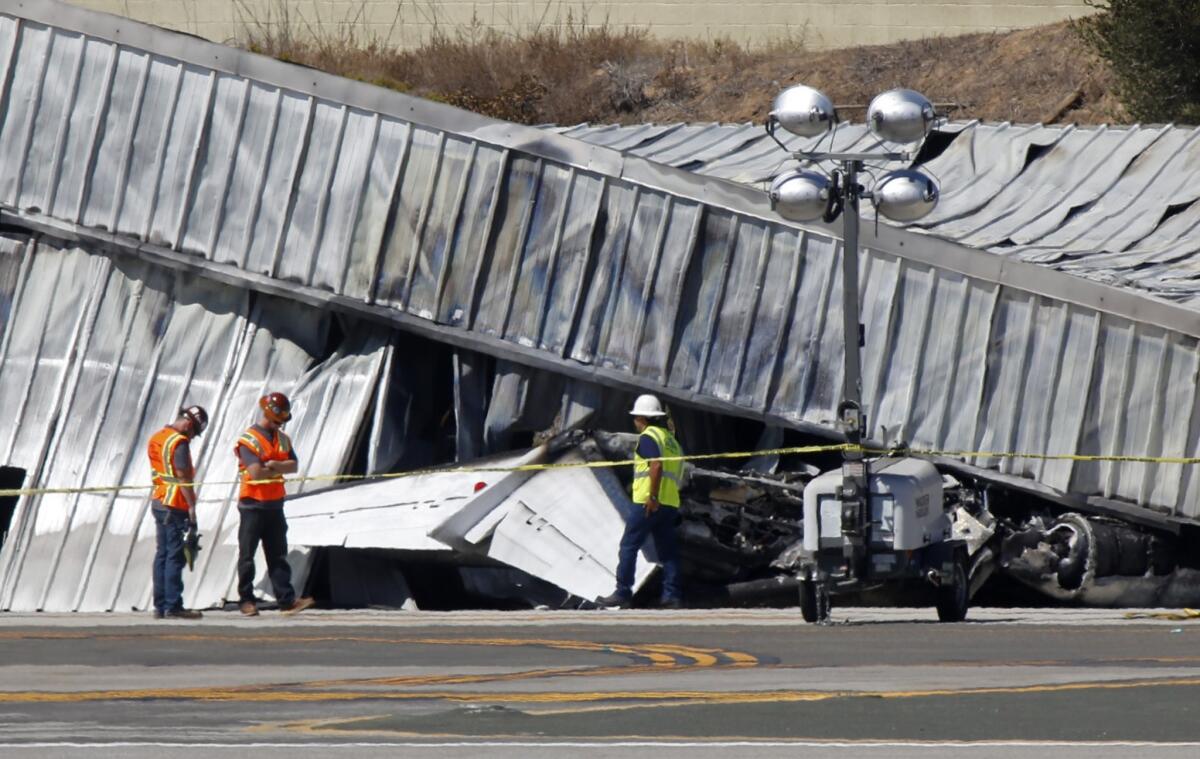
point(660, 525)
point(168, 558)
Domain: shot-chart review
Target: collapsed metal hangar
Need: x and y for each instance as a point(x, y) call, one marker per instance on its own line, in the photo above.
point(183, 220)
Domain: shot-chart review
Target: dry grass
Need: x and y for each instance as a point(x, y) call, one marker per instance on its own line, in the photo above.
point(577, 71)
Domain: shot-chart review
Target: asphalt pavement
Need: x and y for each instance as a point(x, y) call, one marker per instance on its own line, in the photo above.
point(877, 682)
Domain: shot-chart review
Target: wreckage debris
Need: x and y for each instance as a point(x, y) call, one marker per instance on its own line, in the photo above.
point(1098, 561)
point(549, 537)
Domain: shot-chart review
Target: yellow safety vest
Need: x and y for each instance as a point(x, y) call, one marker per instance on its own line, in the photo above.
point(672, 471)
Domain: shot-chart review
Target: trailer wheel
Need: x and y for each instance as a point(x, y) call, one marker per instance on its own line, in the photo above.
point(814, 601)
point(953, 599)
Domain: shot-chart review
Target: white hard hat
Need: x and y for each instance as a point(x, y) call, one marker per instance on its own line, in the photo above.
point(647, 406)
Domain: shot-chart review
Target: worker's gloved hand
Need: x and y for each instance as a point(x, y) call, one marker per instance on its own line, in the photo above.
point(191, 546)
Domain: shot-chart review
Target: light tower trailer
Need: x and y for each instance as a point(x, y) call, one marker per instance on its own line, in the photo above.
point(911, 539)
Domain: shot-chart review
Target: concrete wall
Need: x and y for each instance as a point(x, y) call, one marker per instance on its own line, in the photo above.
point(830, 24)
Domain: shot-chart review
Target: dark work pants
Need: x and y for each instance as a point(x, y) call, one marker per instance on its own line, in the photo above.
point(660, 525)
point(268, 526)
point(168, 557)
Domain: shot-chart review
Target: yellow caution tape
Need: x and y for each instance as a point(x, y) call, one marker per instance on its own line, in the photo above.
point(445, 470)
point(1035, 456)
point(804, 449)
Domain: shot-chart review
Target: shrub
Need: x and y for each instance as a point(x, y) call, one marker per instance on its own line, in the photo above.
point(1153, 47)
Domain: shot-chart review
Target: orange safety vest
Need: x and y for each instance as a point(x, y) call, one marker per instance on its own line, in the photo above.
point(279, 449)
point(168, 487)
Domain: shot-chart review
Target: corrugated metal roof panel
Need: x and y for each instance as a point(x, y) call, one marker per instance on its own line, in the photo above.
point(1111, 204)
point(90, 377)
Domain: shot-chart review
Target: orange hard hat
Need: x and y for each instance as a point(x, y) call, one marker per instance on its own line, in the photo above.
point(276, 407)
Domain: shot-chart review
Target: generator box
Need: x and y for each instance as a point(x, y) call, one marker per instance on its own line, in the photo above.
point(906, 501)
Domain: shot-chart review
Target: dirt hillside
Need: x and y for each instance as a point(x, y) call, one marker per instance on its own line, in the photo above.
point(1043, 74)
point(571, 75)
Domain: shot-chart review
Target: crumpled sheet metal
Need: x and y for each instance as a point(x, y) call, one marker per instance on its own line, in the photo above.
point(98, 353)
point(564, 526)
point(399, 513)
point(1075, 171)
point(737, 152)
point(1116, 205)
point(560, 525)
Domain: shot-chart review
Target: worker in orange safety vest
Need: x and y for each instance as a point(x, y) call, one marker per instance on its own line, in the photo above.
point(173, 504)
point(265, 455)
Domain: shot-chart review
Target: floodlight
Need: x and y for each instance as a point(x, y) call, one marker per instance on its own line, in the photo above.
point(905, 195)
point(803, 111)
point(902, 116)
point(800, 195)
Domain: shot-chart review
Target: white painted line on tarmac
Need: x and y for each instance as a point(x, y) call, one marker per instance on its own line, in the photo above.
point(620, 744)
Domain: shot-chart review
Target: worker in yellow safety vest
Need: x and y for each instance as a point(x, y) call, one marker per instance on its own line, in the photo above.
point(173, 504)
point(656, 491)
point(265, 454)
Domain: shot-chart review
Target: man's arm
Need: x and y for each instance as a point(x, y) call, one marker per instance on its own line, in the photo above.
point(186, 473)
point(655, 482)
point(254, 465)
point(285, 467)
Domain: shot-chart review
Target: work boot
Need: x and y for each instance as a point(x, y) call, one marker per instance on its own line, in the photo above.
point(297, 606)
point(249, 608)
point(615, 601)
point(158, 613)
point(670, 603)
point(183, 614)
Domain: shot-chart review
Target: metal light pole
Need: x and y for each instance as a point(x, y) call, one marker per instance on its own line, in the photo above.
point(856, 521)
point(897, 116)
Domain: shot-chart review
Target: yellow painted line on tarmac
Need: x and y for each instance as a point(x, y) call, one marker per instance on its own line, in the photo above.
point(739, 659)
point(658, 653)
point(665, 655)
point(468, 679)
point(280, 695)
point(656, 658)
point(330, 728)
point(701, 658)
point(49, 635)
point(316, 728)
point(597, 708)
point(1090, 662)
point(560, 697)
point(531, 674)
point(327, 725)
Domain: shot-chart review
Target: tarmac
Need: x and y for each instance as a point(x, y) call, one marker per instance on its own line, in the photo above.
point(700, 683)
